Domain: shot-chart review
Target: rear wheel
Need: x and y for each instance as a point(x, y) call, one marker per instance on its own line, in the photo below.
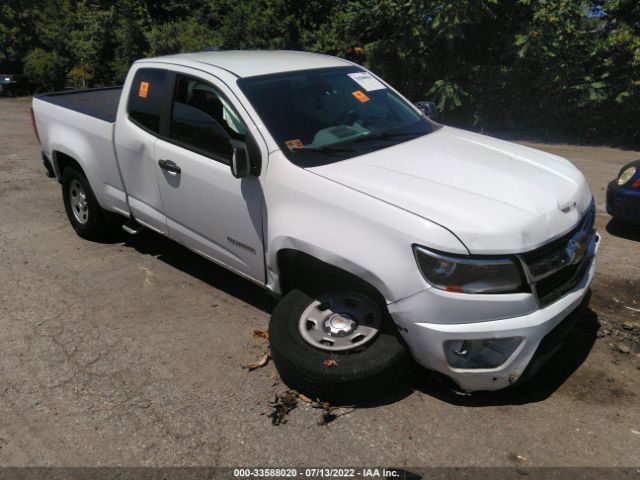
point(86, 216)
point(340, 346)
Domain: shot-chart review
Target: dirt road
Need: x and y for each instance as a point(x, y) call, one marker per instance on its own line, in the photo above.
point(130, 352)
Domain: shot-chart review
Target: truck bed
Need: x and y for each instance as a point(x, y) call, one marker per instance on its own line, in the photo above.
point(81, 125)
point(100, 103)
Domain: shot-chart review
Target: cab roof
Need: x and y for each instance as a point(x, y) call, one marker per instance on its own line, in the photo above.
point(249, 63)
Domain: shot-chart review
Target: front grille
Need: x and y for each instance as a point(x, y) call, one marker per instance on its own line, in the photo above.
point(539, 254)
point(555, 274)
point(555, 286)
point(549, 249)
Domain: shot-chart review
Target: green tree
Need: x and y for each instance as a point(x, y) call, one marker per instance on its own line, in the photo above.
point(17, 32)
point(618, 50)
point(547, 67)
point(130, 24)
point(181, 36)
point(45, 69)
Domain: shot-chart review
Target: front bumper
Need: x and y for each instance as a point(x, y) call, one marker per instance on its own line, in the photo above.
point(623, 203)
point(430, 318)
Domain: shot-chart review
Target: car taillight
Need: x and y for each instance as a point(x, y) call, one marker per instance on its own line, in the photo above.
point(35, 128)
point(636, 184)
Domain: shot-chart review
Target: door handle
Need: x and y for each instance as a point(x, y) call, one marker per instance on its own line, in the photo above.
point(169, 166)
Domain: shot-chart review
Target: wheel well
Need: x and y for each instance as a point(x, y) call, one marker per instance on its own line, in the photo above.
point(299, 270)
point(63, 161)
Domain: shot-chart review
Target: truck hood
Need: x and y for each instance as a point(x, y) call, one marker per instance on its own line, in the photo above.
point(495, 196)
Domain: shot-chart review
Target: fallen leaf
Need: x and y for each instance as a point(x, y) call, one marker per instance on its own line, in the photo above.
point(327, 417)
point(331, 413)
point(260, 363)
point(282, 405)
point(261, 334)
point(304, 398)
point(330, 362)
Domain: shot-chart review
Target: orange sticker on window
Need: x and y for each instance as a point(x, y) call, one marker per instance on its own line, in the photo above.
point(293, 144)
point(360, 96)
point(144, 88)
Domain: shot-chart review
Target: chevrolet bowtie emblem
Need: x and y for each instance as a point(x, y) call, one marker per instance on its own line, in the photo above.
point(576, 249)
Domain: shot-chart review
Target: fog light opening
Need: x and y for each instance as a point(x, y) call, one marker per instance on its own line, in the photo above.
point(482, 353)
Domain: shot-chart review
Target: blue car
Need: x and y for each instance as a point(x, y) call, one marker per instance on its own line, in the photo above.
point(623, 194)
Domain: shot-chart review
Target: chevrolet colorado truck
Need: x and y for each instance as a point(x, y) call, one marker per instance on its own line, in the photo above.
point(387, 236)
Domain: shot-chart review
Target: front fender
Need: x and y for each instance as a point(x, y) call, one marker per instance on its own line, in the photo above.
point(281, 243)
point(346, 228)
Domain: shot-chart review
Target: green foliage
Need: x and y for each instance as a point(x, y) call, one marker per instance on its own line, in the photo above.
point(131, 21)
point(545, 67)
point(16, 30)
point(44, 69)
point(182, 36)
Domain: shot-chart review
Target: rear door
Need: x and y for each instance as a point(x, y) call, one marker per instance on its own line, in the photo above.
point(207, 209)
point(137, 127)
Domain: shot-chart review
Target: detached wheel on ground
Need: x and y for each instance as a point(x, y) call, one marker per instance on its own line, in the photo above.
point(340, 347)
point(86, 216)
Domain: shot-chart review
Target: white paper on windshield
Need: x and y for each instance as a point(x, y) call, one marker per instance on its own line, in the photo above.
point(366, 81)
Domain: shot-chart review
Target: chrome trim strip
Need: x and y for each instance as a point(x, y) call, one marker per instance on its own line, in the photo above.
point(576, 278)
point(571, 254)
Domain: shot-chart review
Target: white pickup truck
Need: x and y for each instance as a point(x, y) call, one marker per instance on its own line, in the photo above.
point(388, 236)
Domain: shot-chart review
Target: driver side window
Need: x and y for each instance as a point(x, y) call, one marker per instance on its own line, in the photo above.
point(203, 120)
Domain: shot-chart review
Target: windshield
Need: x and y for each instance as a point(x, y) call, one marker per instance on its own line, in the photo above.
point(325, 115)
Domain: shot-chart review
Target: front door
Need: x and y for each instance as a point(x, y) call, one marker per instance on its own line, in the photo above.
point(207, 209)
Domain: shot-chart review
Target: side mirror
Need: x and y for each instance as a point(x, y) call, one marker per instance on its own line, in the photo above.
point(240, 165)
point(429, 109)
point(246, 158)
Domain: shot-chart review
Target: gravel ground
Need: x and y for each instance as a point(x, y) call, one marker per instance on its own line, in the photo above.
point(130, 352)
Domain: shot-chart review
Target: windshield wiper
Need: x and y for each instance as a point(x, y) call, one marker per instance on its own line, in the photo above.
point(338, 149)
point(387, 135)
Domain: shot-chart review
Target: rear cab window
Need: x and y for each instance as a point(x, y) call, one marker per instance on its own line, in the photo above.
point(147, 97)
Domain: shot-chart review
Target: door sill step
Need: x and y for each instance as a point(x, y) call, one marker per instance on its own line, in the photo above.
point(132, 227)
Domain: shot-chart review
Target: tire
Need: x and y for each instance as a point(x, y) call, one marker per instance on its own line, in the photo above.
point(88, 219)
point(356, 376)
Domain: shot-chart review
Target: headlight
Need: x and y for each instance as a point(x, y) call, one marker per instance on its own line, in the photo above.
point(626, 175)
point(468, 274)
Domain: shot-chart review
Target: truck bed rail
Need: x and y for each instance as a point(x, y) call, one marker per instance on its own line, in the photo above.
point(100, 103)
